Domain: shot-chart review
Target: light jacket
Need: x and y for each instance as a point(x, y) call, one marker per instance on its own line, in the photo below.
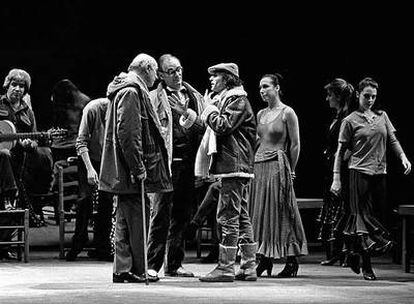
point(234, 124)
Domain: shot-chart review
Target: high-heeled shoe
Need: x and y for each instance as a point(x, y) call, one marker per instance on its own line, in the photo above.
point(290, 270)
point(367, 271)
point(265, 263)
point(353, 262)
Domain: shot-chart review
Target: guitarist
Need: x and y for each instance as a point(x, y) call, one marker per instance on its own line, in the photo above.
point(31, 164)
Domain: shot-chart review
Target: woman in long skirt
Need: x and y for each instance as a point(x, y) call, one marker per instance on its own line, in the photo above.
point(274, 212)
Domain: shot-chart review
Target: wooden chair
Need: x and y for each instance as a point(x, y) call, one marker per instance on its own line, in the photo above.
point(68, 189)
point(21, 224)
point(405, 211)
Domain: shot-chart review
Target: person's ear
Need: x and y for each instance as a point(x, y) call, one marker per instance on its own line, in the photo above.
point(277, 88)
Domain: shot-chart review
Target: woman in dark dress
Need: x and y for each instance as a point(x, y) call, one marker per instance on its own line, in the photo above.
point(366, 132)
point(338, 95)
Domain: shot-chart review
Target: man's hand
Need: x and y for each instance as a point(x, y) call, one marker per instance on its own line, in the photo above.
point(207, 98)
point(176, 105)
point(28, 143)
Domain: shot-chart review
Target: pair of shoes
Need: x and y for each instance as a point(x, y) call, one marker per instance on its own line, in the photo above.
point(127, 277)
point(354, 263)
point(71, 255)
point(179, 272)
point(265, 263)
point(290, 270)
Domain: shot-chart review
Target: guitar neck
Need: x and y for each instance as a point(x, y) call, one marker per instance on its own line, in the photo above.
point(16, 136)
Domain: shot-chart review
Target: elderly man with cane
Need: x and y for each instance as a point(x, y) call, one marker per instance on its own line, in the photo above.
point(134, 153)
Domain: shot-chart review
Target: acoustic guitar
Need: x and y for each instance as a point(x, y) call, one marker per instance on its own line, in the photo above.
point(9, 136)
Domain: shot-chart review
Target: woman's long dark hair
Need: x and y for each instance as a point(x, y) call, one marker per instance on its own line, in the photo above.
point(345, 91)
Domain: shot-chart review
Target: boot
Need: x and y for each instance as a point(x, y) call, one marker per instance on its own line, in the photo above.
point(265, 263)
point(290, 269)
point(224, 271)
point(353, 262)
point(367, 271)
point(247, 271)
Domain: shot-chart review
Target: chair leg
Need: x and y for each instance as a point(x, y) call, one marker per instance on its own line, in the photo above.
point(26, 236)
point(404, 257)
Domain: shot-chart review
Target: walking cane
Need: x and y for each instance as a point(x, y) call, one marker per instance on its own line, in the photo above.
point(144, 226)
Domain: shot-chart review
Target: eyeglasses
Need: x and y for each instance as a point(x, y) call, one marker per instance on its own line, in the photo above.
point(171, 72)
point(368, 96)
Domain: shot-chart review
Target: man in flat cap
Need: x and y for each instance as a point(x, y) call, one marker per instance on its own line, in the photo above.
point(233, 122)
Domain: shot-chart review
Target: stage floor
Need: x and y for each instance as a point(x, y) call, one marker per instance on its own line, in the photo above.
point(46, 279)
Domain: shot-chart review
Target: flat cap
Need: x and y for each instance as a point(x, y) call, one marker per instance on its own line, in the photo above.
point(231, 68)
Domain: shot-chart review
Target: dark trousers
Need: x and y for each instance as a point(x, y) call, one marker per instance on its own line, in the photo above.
point(7, 181)
point(170, 215)
point(102, 225)
point(129, 236)
point(103, 217)
point(208, 207)
point(208, 204)
point(232, 211)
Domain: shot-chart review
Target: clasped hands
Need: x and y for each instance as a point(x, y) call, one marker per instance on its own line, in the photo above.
point(138, 177)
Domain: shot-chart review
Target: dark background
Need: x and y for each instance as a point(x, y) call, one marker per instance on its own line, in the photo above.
point(90, 43)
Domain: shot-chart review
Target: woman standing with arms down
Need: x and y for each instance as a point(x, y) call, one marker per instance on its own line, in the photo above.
point(273, 207)
point(366, 132)
point(338, 95)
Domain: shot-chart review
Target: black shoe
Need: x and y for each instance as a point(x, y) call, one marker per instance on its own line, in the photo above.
point(369, 275)
point(290, 270)
point(127, 277)
point(329, 262)
point(265, 263)
point(180, 272)
point(71, 255)
point(353, 262)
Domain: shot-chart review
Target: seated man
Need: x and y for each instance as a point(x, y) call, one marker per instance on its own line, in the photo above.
point(31, 164)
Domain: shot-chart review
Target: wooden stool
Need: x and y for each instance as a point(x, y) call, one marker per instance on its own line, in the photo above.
point(405, 211)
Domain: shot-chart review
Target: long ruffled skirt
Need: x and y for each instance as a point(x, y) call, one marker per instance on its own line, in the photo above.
point(276, 222)
point(362, 226)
